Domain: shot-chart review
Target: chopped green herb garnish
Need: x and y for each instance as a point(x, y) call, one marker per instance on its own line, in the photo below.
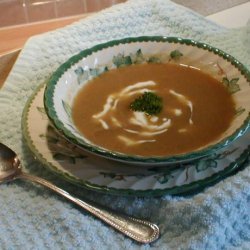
point(149, 102)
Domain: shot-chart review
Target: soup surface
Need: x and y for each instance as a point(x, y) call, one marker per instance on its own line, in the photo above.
point(196, 109)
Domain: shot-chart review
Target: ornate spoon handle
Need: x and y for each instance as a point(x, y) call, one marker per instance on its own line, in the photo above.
point(139, 230)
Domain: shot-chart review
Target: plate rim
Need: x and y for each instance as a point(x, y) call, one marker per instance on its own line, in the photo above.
point(195, 186)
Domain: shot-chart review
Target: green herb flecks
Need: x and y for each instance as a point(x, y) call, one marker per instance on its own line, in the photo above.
point(149, 102)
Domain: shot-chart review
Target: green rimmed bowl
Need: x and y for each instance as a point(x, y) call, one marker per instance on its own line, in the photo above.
point(71, 76)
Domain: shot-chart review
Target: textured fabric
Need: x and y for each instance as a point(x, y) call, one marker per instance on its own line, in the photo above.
point(31, 217)
point(208, 7)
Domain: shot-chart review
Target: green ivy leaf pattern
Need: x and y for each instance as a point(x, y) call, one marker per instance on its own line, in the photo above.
point(41, 110)
point(94, 72)
point(67, 109)
point(212, 161)
point(239, 111)
point(84, 75)
point(64, 157)
point(120, 60)
point(119, 177)
point(226, 153)
point(202, 165)
point(79, 71)
point(62, 149)
point(154, 59)
point(138, 57)
point(97, 71)
point(176, 54)
point(164, 178)
point(231, 85)
point(164, 174)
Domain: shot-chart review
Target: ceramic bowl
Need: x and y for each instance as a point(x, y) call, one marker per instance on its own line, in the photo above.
point(71, 76)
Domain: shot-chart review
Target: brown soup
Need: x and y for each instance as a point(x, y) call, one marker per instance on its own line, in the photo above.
point(196, 110)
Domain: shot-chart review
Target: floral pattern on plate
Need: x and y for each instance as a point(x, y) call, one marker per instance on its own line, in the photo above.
point(93, 172)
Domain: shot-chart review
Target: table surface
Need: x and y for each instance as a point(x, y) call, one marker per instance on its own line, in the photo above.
point(14, 37)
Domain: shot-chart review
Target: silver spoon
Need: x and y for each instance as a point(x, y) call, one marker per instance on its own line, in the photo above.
point(139, 230)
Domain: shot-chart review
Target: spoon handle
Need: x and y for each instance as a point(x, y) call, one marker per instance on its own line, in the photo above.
point(139, 230)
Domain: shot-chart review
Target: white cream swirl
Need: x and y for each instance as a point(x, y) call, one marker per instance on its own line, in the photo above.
point(145, 127)
point(187, 102)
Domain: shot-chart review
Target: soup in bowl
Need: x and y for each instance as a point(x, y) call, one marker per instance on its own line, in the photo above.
point(150, 100)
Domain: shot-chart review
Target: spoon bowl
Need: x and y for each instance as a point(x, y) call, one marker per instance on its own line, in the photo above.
point(9, 164)
point(139, 230)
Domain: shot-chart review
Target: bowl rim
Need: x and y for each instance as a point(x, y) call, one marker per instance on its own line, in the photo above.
point(51, 113)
